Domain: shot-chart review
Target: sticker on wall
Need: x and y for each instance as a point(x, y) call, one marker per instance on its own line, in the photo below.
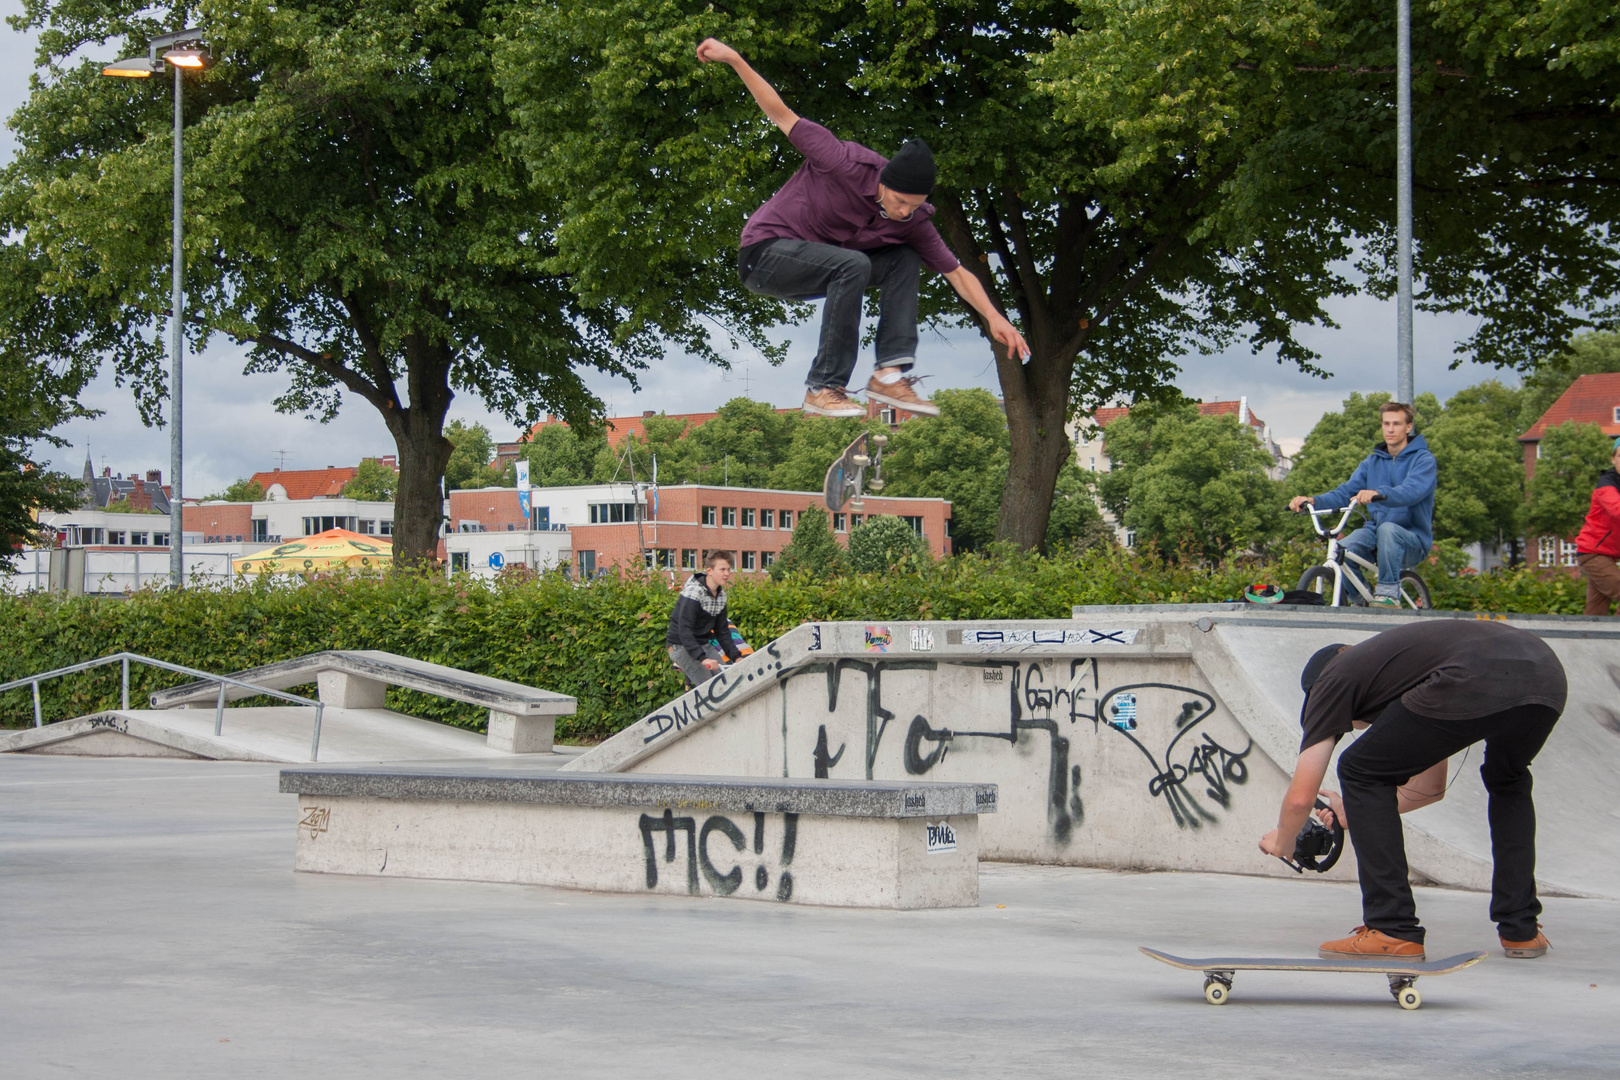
point(878, 639)
point(815, 638)
point(941, 838)
point(1122, 712)
point(922, 639)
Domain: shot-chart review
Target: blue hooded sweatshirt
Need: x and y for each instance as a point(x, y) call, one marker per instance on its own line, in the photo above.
point(1405, 482)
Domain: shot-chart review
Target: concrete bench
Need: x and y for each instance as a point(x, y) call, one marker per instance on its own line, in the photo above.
point(522, 719)
point(840, 843)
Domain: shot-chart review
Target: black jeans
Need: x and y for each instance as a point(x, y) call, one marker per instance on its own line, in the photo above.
point(801, 270)
point(1399, 745)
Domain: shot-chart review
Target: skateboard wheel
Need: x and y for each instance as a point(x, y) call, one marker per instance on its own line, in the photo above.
point(862, 460)
point(857, 505)
point(880, 440)
point(875, 485)
point(1409, 998)
point(1216, 993)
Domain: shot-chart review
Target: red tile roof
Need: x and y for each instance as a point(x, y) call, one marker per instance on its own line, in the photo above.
point(307, 483)
point(1590, 399)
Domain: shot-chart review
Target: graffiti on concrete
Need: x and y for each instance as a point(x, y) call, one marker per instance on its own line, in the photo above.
point(700, 861)
point(704, 702)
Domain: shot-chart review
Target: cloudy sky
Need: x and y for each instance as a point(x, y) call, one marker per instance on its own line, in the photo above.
point(231, 430)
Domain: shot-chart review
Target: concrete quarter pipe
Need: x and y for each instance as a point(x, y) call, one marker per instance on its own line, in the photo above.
point(1125, 737)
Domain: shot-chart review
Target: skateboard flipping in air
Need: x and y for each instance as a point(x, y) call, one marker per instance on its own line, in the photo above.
point(846, 477)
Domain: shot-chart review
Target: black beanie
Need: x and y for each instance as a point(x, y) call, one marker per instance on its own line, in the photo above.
point(1313, 667)
point(911, 171)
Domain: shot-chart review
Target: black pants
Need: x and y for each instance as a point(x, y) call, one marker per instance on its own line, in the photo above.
point(1399, 745)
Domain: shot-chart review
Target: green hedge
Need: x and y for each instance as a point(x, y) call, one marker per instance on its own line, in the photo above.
point(603, 642)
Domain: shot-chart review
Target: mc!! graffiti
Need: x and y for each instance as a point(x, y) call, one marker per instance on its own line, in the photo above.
point(699, 861)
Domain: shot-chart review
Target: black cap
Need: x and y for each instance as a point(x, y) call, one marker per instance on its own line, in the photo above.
point(912, 170)
point(1319, 660)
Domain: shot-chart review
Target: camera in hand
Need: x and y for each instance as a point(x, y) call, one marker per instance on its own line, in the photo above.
point(1317, 847)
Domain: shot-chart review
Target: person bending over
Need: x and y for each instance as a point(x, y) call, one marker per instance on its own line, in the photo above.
point(850, 220)
point(1423, 692)
point(1598, 545)
point(699, 638)
point(1399, 474)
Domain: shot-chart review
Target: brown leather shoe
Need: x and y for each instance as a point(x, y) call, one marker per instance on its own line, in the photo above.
point(832, 401)
point(902, 394)
point(1370, 944)
point(1526, 950)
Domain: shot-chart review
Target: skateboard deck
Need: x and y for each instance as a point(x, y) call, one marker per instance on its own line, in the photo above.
point(1218, 970)
point(846, 477)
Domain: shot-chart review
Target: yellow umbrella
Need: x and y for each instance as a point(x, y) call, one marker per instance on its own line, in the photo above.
point(334, 547)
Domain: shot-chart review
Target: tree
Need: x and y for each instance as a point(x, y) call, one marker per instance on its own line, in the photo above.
point(1479, 490)
point(1589, 354)
point(1076, 523)
point(245, 490)
point(559, 456)
point(470, 462)
point(1560, 490)
point(1190, 484)
point(373, 481)
point(1133, 180)
point(812, 551)
point(27, 413)
point(355, 214)
point(882, 542)
point(961, 455)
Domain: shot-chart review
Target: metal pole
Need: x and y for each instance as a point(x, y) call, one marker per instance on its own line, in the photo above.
point(38, 722)
point(315, 743)
point(177, 303)
point(219, 711)
point(126, 683)
point(1404, 383)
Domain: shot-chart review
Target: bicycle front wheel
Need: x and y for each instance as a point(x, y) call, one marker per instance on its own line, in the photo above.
point(1319, 580)
point(1414, 593)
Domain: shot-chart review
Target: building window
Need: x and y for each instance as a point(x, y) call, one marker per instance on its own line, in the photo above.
point(540, 518)
point(915, 523)
point(261, 530)
point(728, 517)
point(1093, 462)
point(748, 517)
point(115, 536)
point(613, 513)
point(160, 539)
point(855, 520)
point(387, 528)
point(470, 527)
point(458, 562)
point(787, 519)
point(366, 527)
point(688, 558)
point(1617, 414)
point(1130, 538)
point(708, 515)
point(313, 525)
point(749, 560)
point(767, 519)
point(839, 523)
point(587, 564)
point(1546, 550)
point(887, 416)
point(1566, 553)
point(139, 539)
point(766, 558)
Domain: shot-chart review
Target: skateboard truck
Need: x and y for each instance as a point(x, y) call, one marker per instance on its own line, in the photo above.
point(1317, 846)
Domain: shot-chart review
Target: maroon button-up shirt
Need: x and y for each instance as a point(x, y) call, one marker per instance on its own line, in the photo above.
point(832, 199)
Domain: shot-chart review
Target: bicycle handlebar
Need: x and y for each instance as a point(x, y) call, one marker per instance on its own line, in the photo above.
point(1344, 519)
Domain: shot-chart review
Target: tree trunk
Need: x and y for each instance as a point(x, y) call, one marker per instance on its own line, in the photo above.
point(1037, 398)
point(424, 452)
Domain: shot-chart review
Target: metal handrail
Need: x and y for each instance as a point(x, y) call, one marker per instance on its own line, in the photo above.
point(219, 708)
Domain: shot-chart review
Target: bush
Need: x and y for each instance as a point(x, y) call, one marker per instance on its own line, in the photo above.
point(884, 542)
point(602, 642)
point(813, 552)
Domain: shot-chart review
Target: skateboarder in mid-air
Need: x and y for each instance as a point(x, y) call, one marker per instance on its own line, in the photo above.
point(1423, 692)
point(850, 220)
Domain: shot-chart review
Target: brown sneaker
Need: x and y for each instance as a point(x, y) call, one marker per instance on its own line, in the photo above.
point(1526, 950)
point(832, 401)
point(902, 394)
point(1371, 944)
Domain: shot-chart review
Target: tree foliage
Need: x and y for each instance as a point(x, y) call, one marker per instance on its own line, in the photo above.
point(1190, 484)
point(1560, 490)
point(471, 463)
point(1132, 180)
point(373, 481)
point(246, 489)
point(960, 455)
point(1479, 488)
point(813, 551)
point(883, 542)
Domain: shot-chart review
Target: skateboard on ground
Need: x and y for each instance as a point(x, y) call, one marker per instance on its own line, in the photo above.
point(846, 477)
point(1218, 971)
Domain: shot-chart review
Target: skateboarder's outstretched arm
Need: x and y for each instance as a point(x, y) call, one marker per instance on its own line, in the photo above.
point(770, 102)
point(1299, 799)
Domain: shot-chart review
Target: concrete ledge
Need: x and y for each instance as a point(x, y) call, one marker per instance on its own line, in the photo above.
point(829, 798)
point(839, 844)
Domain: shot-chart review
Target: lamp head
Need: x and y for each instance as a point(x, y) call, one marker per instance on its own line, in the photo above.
point(136, 67)
point(190, 57)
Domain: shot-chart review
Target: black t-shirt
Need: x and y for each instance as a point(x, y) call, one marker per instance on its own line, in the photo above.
point(1448, 669)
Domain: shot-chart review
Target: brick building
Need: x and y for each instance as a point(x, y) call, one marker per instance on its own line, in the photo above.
point(1590, 399)
point(681, 523)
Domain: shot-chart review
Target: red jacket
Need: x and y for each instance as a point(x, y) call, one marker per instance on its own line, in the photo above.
point(1601, 533)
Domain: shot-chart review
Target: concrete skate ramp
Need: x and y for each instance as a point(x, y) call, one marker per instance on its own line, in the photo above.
point(256, 734)
point(1157, 737)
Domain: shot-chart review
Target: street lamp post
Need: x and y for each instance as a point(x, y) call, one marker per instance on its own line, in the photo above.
point(1404, 378)
point(181, 50)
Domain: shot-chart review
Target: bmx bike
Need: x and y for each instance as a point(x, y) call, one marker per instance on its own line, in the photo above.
point(1329, 578)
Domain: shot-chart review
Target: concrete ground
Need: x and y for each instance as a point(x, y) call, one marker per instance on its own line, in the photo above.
point(153, 927)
